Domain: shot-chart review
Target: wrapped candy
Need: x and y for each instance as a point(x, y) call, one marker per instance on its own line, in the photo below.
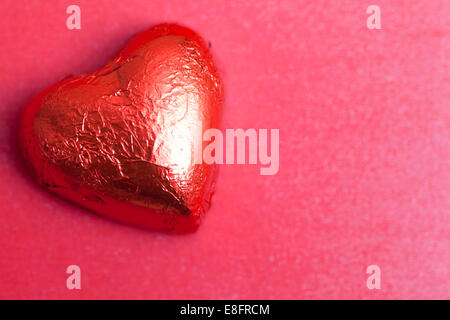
point(120, 141)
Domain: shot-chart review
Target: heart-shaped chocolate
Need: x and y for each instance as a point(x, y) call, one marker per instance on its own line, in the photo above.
point(121, 141)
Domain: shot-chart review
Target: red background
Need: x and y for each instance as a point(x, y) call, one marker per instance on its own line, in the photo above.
point(364, 154)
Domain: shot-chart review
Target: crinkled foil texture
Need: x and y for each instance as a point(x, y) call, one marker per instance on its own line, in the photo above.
point(121, 140)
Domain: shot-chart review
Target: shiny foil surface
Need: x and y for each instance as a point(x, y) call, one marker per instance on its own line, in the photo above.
point(120, 141)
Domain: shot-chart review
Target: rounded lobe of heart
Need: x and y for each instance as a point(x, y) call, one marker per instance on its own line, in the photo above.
point(120, 141)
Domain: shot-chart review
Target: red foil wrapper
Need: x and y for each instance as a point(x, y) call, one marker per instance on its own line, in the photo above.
point(120, 141)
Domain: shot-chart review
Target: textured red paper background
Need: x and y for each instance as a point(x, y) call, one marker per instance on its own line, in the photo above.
point(364, 154)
